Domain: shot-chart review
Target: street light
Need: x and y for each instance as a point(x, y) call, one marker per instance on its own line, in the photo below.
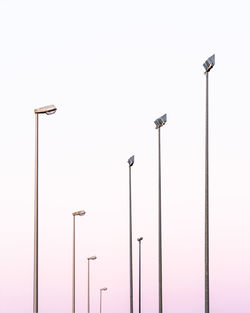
point(78, 213)
point(50, 109)
point(131, 161)
point(158, 124)
point(208, 65)
point(89, 259)
point(139, 240)
point(102, 289)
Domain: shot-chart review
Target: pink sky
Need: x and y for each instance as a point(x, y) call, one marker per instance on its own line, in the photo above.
point(112, 68)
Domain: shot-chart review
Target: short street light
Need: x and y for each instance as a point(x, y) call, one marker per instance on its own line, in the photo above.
point(92, 258)
point(102, 289)
point(78, 213)
point(140, 240)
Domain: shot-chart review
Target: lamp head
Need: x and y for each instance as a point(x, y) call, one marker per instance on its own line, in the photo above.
point(140, 239)
point(159, 122)
point(49, 109)
point(92, 257)
point(104, 289)
point(131, 160)
point(209, 64)
point(79, 213)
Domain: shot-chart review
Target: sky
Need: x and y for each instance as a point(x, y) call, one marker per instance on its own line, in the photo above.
point(112, 68)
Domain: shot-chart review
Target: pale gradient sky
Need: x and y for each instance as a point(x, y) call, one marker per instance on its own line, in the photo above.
point(113, 67)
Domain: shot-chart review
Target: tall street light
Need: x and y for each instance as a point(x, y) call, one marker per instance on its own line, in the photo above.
point(102, 289)
point(159, 123)
point(139, 240)
point(131, 161)
point(208, 65)
point(50, 109)
point(89, 259)
point(78, 213)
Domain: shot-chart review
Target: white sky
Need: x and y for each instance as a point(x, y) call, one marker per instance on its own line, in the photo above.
point(112, 68)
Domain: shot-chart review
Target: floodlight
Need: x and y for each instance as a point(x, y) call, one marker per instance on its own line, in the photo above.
point(140, 239)
point(209, 64)
point(49, 109)
point(160, 121)
point(104, 289)
point(131, 160)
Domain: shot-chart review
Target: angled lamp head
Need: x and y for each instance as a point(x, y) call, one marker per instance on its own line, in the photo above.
point(160, 121)
point(131, 160)
point(49, 109)
point(104, 289)
point(140, 239)
point(79, 213)
point(92, 257)
point(209, 64)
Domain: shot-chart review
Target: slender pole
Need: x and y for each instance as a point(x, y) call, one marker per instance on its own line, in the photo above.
point(130, 243)
point(160, 232)
point(88, 288)
point(100, 301)
point(35, 282)
point(73, 268)
point(139, 276)
point(207, 205)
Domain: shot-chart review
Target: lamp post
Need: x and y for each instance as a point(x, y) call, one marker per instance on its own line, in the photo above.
point(131, 161)
point(102, 289)
point(89, 259)
point(78, 213)
point(139, 240)
point(159, 123)
point(208, 65)
point(50, 109)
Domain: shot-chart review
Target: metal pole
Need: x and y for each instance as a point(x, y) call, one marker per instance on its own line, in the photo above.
point(207, 205)
point(139, 276)
point(88, 290)
point(35, 282)
point(73, 268)
point(100, 301)
point(130, 243)
point(160, 232)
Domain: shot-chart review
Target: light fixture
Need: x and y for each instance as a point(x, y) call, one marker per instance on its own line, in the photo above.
point(79, 213)
point(92, 258)
point(209, 64)
point(48, 109)
point(161, 121)
point(131, 160)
